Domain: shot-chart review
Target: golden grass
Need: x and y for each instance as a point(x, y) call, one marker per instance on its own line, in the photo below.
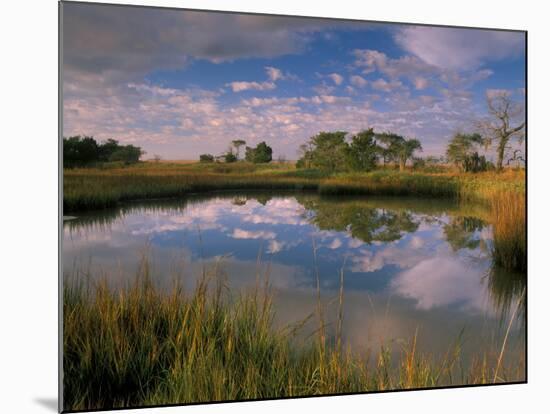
point(509, 230)
point(94, 188)
point(141, 346)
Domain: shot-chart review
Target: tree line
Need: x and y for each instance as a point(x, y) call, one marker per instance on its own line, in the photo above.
point(261, 153)
point(330, 151)
point(367, 149)
point(364, 151)
point(84, 151)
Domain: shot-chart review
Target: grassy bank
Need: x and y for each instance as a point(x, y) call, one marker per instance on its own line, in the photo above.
point(143, 346)
point(86, 189)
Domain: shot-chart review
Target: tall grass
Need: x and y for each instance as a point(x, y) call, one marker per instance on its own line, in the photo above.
point(140, 345)
point(509, 230)
point(85, 189)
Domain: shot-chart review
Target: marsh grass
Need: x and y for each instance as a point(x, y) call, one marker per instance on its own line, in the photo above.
point(96, 188)
point(509, 230)
point(141, 345)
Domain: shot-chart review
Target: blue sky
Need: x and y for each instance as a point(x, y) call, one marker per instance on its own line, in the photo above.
point(181, 83)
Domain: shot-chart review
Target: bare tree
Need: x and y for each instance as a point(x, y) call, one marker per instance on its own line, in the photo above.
point(516, 157)
point(499, 129)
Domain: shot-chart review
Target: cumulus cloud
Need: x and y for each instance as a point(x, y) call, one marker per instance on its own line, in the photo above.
point(385, 86)
point(336, 78)
point(246, 86)
point(249, 234)
point(369, 61)
point(441, 281)
point(418, 72)
point(459, 48)
point(274, 74)
point(110, 51)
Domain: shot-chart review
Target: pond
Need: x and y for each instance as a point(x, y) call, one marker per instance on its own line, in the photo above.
point(409, 267)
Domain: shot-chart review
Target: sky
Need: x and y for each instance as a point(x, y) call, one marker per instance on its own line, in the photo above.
point(181, 83)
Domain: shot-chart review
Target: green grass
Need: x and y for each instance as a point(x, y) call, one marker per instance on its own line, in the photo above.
point(96, 188)
point(140, 345)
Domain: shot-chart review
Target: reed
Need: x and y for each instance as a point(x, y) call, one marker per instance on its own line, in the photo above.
point(141, 345)
point(509, 230)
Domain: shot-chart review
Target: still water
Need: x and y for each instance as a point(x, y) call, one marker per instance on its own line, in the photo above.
point(410, 266)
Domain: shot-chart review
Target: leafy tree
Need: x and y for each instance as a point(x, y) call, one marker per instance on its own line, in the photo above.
point(499, 129)
point(305, 152)
point(328, 150)
point(107, 148)
point(477, 163)
point(206, 158)
point(398, 149)
point(238, 143)
point(79, 151)
point(461, 151)
point(363, 151)
point(463, 232)
point(262, 153)
point(128, 154)
point(84, 151)
point(230, 157)
point(362, 221)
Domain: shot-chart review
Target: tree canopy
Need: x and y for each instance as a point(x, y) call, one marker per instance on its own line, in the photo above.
point(397, 148)
point(262, 153)
point(363, 151)
point(82, 151)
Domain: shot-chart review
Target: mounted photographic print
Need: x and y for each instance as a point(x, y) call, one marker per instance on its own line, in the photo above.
point(263, 207)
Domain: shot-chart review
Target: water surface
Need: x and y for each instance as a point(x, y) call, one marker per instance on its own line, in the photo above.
point(410, 267)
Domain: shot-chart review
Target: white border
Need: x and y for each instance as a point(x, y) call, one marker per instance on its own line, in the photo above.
point(28, 364)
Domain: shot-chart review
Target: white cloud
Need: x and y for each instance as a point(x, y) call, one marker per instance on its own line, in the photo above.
point(406, 66)
point(274, 74)
point(246, 86)
point(336, 243)
point(275, 246)
point(385, 86)
point(336, 78)
point(250, 234)
point(441, 281)
point(460, 49)
point(358, 81)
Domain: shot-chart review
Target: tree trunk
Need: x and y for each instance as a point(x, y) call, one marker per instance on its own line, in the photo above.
point(500, 152)
point(402, 163)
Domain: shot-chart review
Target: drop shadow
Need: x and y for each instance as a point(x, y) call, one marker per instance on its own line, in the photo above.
point(49, 403)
